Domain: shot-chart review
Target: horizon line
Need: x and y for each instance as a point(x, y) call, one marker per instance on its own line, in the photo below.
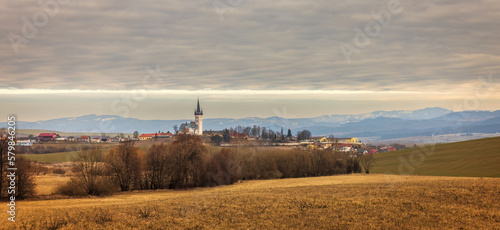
point(181, 119)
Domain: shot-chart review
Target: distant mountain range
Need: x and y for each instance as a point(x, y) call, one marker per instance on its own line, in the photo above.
point(378, 124)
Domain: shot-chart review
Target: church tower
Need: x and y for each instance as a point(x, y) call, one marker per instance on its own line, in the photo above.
point(198, 119)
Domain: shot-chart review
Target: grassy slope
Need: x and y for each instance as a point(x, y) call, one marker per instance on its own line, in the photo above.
point(479, 158)
point(52, 157)
point(67, 156)
point(333, 202)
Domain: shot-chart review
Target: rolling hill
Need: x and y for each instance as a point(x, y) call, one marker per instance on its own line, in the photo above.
point(475, 158)
point(378, 125)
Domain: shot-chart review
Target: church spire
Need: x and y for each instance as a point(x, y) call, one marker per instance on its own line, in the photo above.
point(198, 109)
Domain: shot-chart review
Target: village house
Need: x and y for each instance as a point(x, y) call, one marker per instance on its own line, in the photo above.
point(85, 139)
point(43, 137)
point(149, 136)
point(163, 135)
point(60, 139)
point(24, 142)
point(146, 136)
point(96, 140)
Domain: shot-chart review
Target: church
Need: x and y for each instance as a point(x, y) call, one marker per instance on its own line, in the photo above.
point(194, 127)
point(198, 120)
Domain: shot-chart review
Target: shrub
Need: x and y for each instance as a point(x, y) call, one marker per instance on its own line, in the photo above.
point(39, 169)
point(74, 187)
point(148, 211)
point(71, 188)
point(99, 215)
point(59, 171)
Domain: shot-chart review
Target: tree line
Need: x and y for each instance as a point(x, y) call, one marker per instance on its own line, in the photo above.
point(187, 162)
point(260, 132)
point(51, 148)
point(24, 181)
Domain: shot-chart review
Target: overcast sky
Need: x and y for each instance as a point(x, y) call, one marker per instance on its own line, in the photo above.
point(152, 59)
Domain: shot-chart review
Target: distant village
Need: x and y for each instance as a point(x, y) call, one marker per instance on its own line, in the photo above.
point(231, 137)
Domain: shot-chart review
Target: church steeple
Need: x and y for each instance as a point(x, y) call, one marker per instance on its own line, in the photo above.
point(198, 119)
point(198, 111)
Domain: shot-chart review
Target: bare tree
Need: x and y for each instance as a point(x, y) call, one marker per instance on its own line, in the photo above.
point(248, 130)
point(25, 183)
point(125, 165)
point(136, 134)
point(88, 170)
point(303, 135)
point(186, 162)
point(367, 161)
point(156, 167)
point(264, 134)
point(216, 139)
point(223, 167)
point(226, 137)
point(3, 162)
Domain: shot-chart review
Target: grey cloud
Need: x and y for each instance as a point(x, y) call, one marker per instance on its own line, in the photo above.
point(258, 45)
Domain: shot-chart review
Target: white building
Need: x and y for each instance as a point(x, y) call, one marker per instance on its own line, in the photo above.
point(198, 119)
point(24, 143)
point(346, 149)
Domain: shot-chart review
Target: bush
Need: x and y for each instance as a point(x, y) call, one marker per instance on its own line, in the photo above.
point(39, 169)
point(74, 187)
point(148, 211)
point(99, 215)
point(70, 188)
point(271, 163)
point(59, 171)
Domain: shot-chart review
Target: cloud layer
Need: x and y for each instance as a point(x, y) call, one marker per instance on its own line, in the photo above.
point(431, 46)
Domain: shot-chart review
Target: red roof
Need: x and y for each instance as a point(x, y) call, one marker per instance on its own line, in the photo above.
point(51, 135)
point(165, 134)
point(85, 137)
point(146, 135)
point(372, 151)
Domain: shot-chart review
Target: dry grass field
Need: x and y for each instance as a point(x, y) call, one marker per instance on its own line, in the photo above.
point(46, 184)
point(333, 202)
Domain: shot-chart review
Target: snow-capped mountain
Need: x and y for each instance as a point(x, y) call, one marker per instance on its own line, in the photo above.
point(383, 124)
